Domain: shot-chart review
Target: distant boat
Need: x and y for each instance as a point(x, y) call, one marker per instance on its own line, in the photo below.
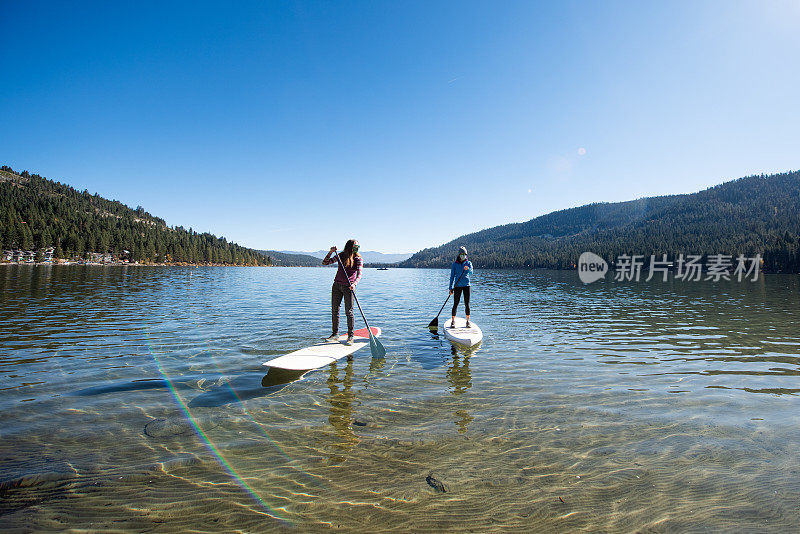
point(383, 268)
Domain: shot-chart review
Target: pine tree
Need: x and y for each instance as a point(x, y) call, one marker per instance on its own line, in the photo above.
point(150, 253)
point(27, 238)
point(13, 236)
point(47, 239)
point(104, 242)
point(80, 223)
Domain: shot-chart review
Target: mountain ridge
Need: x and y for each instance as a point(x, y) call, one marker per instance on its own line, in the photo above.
point(37, 213)
point(758, 214)
point(369, 256)
point(284, 259)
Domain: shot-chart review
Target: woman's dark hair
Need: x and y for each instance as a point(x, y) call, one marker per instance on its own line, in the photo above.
point(347, 254)
point(459, 255)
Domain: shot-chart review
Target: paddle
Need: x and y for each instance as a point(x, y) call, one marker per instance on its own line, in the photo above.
point(374, 345)
point(435, 322)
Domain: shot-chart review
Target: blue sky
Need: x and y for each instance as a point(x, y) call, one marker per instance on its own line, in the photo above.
point(295, 125)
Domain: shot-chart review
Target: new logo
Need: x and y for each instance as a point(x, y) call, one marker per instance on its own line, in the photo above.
point(591, 267)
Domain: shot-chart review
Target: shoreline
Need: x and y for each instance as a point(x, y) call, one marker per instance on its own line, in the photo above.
point(183, 264)
point(88, 264)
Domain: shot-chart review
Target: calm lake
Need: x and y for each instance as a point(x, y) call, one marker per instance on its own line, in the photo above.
point(132, 399)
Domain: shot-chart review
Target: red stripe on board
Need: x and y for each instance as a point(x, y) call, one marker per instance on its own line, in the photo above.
point(362, 332)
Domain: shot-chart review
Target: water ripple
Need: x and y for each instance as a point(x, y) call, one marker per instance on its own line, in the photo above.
point(134, 399)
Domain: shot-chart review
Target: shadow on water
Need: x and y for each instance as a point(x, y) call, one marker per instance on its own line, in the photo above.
point(135, 385)
point(241, 388)
point(226, 390)
point(276, 377)
point(430, 356)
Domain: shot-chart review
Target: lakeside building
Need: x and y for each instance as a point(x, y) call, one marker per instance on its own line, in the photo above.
point(28, 256)
point(107, 257)
point(19, 256)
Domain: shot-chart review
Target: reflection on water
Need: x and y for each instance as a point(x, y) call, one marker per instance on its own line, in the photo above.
point(135, 399)
point(341, 401)
point(460, 380)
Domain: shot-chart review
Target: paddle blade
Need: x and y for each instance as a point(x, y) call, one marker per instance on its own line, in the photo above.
point(434, 324)
point(376, 347)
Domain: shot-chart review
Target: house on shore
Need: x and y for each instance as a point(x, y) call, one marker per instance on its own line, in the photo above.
point(27, 256)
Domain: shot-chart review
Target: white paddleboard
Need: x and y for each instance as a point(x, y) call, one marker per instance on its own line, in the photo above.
point(461, 334)
point(323, 353)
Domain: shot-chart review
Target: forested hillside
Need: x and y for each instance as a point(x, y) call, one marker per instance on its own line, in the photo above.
point(285, 259)
point(756, 214)
point(36, 213)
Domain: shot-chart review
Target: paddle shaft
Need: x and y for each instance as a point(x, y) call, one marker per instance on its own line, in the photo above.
point(354, 294)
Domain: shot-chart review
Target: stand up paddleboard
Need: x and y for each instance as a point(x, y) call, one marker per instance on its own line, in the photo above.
point(462, 335)
point(323, 353)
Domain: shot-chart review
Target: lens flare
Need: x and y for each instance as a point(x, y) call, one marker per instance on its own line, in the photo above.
point(266, 509)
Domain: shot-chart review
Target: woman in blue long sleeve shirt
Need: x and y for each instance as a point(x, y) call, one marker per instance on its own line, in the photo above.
point(459, 283)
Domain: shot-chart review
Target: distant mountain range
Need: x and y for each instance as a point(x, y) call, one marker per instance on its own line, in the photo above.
point(288, 258)
point(368, 256)
point(751, 215)
point(285, 259)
